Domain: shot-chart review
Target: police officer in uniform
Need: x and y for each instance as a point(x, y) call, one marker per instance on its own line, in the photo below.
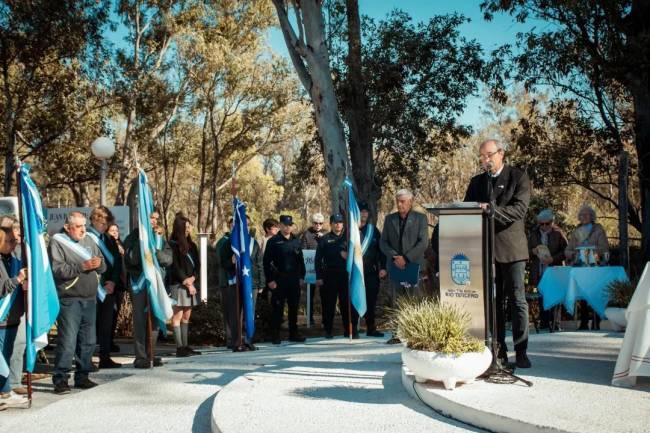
point(332, 276)
point(284, 269)
point(374, 267)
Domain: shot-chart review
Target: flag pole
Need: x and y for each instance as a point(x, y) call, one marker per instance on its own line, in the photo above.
point(347, 236)
point(23, 259)
point(149, 330)
point(233, 190)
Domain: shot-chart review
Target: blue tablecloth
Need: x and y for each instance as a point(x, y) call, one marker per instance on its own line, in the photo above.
point(565, 285)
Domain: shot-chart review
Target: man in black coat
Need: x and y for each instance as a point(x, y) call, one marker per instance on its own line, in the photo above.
point(511, 195)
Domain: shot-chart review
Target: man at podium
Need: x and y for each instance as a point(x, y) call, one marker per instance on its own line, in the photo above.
point(510, 188)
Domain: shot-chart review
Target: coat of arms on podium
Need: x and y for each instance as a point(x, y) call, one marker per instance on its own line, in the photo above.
point(460, 269)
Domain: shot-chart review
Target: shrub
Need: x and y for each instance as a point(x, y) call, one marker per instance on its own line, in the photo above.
point(620, 293)
point(430, 326)
point(206, 324)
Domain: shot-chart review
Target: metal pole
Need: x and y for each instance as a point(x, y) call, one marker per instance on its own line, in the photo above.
point(203, 247)
point(103, 167)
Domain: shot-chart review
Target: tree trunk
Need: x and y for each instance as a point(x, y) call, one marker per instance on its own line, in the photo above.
point(361, 152)
point(310, 57)
point(9, 161)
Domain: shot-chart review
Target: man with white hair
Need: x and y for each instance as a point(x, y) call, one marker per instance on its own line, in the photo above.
point(77, 266)
point(309, 241)
point(404, 238)
point(511, 195)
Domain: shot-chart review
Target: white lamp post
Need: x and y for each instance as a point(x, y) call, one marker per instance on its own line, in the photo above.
point(103, 148)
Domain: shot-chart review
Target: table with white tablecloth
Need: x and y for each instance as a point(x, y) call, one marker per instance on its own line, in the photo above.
point(565, 285)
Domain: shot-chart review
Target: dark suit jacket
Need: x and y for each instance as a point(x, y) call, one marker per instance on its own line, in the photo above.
point(415, 239)
point(557, 243)
point(512, 195)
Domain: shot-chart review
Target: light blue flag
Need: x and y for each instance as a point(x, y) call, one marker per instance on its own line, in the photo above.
point(242, 246)
point(356, 284)
point(42, 299)
point(159, 301)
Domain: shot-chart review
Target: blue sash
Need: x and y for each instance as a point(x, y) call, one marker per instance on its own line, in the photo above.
point(8, 300)
point(97, 237)
point(159, 241)
point(82, 254)
point(370, 231)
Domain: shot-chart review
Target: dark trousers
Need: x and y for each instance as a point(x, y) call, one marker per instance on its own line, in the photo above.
point(329, 293)
point(312, 293)
point(119, 298)
point(586, 313)
point(7, 338)
point(372, 289)
point(75, 338)
point(231, 316)
point(346, 315)
point(510, 289)
point(140, 346)
point(105, 317)
point(288, 290)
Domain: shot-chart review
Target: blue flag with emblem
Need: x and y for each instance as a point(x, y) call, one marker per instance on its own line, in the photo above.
point(42, 299)
point(151, 278)
point(355, 254)
point(242, 246)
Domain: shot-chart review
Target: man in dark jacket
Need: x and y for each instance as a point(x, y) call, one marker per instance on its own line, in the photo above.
point(374, 267)
point(309, 241)
point(284, 269)
point(511, 196)
point(546, 244)
point(77, 265)
point(133, 265)
point(332, 278)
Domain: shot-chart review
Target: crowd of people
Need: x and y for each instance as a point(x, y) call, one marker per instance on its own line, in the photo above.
point(93, 269)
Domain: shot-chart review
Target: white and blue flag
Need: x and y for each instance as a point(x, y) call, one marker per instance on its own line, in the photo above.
point(242, 247)
point(151, 278)
point(356, 284)
point(42, 299)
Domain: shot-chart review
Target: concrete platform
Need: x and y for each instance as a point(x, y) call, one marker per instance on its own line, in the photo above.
point(571, 373)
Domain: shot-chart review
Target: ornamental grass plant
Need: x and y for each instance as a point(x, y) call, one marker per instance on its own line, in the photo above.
point(620, 293)
point(425, 324)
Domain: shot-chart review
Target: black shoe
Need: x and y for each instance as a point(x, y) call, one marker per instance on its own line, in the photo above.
point(355, 336)
point(583, 327)
point(181, 352)
point(241, 348)
point(141, 363)
point(85, 384)
point(108, 363)
point(250, 346)
point(394, 340)
point(522, 360)
point(297, 338)
point(374, 333)
point(191, 351)
point(115, 348)
point(329, 336)
point(61, 388)
point(157, 362)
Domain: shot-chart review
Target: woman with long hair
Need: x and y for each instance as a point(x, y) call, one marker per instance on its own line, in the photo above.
point(183, 279)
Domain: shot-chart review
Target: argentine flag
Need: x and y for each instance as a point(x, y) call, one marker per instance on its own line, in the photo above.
point(242, 246)
point(356, 284)
point(151, 278)
point(42, 299)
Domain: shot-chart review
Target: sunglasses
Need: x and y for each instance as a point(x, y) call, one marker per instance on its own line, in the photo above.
point(545, 224)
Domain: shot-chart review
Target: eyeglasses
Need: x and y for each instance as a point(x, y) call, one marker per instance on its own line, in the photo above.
point(488, 155)
point(545, 223)
point(318, 224)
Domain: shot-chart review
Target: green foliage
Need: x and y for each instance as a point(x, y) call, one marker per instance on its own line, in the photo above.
point(620, 293)
point(429, 325)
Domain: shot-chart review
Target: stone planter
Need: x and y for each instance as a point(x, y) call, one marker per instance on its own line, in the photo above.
point(448, 369)
point(616, 317)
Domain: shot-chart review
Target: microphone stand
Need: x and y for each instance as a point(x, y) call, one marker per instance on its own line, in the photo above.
point(496, 373)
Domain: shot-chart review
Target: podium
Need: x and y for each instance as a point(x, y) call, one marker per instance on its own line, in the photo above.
point(462, 242)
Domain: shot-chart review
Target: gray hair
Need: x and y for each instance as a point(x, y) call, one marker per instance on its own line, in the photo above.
point(404, 193)
point(500, 145)
point(72, 215)
point(317, 218)
point(546, 215)
point(588, 209)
